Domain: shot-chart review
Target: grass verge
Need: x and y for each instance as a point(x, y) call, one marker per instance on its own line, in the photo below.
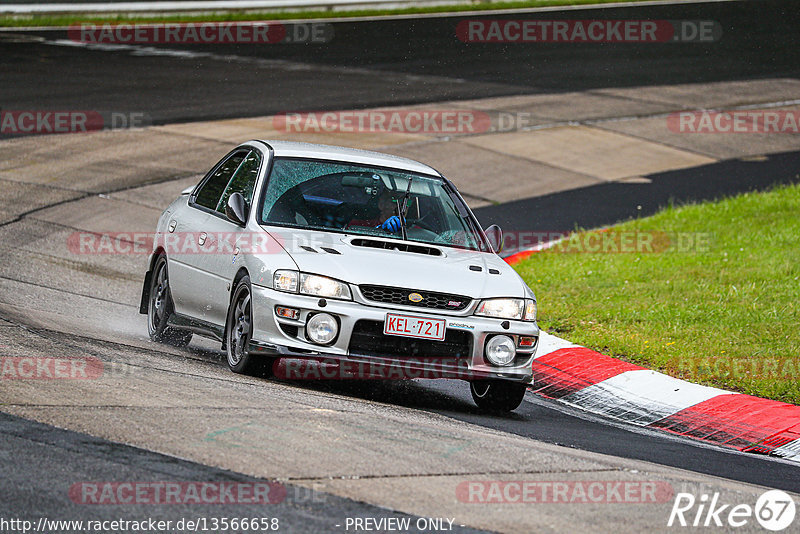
point(714, 300)
point(229, 16)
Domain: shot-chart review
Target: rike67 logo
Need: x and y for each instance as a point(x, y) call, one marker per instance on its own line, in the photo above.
point(774, 510)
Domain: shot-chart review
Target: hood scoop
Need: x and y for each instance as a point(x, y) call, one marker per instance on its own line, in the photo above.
point(329, 250)
point(402, 247)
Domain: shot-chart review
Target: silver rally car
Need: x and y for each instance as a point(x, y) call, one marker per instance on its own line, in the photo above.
point(310, 252)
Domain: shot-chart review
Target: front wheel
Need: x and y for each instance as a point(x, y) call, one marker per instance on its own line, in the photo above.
point(238, 332)
point(497, 395)
point(160, 307)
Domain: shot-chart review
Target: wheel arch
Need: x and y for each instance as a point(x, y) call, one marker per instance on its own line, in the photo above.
point(241, 273)
point(143, 303)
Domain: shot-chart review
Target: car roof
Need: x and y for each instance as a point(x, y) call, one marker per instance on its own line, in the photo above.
point(293, 149)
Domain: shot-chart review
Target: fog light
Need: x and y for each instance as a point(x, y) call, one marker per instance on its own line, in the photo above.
point(322, 328)
point(500, 350)
point(288, 313)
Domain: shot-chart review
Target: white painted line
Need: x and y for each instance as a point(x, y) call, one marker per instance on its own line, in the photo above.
point(233, 5)
point(199, 5)
point(790, 451)
point(641, 397)
point(258, 62)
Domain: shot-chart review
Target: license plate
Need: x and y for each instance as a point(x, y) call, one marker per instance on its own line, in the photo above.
point(410, 326)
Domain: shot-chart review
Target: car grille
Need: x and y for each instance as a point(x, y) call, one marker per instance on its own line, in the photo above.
point(368, 339)
point(430, 299)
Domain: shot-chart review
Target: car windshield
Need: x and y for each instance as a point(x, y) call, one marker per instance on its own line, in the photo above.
point(363, 200)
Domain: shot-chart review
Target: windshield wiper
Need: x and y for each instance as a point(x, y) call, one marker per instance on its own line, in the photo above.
point(403, 209)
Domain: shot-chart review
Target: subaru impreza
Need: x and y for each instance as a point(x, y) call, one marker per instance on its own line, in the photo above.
point(287, 251)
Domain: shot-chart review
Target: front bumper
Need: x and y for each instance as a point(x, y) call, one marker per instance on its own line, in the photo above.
point(278, 336)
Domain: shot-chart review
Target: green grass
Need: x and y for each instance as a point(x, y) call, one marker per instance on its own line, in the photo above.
point(66, 20)
point(726, 315)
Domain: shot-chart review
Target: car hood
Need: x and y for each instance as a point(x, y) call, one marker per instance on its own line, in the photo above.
point(358, 260)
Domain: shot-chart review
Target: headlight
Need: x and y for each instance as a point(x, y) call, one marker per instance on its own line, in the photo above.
point(310, 284)
point(502, 308)
point(285, 281)
point(519, 309)
point(322, 286)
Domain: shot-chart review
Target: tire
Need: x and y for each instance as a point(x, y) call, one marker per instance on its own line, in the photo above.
point(238, 331)
point(160, 307)
point(497, 395)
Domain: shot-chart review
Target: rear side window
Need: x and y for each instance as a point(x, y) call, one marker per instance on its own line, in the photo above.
point(243, 180)
point(210, 192)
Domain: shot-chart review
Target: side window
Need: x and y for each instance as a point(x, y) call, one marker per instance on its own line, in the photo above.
point(243, 180)
point(209, 194)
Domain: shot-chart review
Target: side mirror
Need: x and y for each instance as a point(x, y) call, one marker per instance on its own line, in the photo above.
point(236, 209)
point(495, 236)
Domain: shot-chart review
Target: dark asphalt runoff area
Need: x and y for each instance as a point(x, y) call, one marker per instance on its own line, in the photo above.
point(600, 205)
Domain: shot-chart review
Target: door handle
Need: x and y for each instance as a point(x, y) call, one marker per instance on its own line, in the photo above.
point(202, 239)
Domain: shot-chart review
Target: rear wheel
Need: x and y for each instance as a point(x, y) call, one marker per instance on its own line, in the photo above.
point(497, 395)
point(238, 332)
point(160, 307)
